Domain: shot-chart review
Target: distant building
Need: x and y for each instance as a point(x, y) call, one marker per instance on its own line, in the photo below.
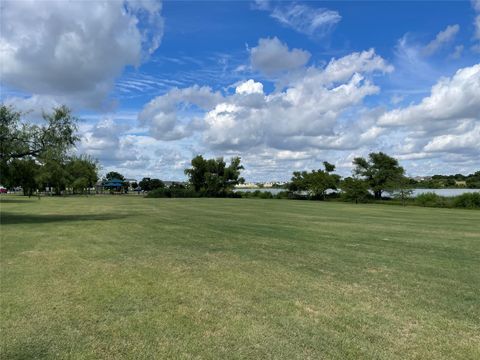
point(170, 183)
point(260, 185)
point(246, 186)
point(422, 178)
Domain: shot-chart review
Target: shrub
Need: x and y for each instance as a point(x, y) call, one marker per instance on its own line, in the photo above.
point(230, 194)
point(256, 194)
point(431, 199)
point(282, 195)
point(467, 200)
point(266, 195)
point(158, 193)
point(179, 191)
point(173, 192)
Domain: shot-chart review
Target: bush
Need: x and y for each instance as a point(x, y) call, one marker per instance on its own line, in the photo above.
point(266, 195)
point(179, 191)
point(431, 199)
point(467, 200)
point(282, 195)
point(256, 194)
point(172, 192)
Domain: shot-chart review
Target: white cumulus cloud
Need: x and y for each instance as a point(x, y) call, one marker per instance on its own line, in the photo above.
point(444, 123)
point(163, 117)
point(249, 87)
point(451, 99)
point(308, 113)
point(271, 57)
point(470, 140)
point(74, 49)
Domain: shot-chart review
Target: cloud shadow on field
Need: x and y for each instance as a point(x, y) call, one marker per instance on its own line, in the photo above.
point(14, 201)
point(26, 350)
point(7, 218)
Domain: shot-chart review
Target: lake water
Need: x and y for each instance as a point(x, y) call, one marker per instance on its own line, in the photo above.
point(441, 192)
point(444, 192)
point(270, 190)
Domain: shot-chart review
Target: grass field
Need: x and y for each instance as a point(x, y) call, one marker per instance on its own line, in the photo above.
point(123, 277)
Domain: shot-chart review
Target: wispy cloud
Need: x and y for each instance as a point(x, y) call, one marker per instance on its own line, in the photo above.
point(476, 24)
point(457, 53)
point(302, 18)
point(443, 38)
point(476, 5)
point(218, 69)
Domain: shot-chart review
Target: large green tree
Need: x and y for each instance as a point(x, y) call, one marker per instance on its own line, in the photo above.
point(34, 155)
point(43, 142)
point(379, 170)
point(82, 173)
point(114, 175)
point(316, 182)
point(53, 175)
point(24, 173)
point(148, 184)
point(213, 177)
point(354, 189)
point(20, 139)
point(473, 180)
point(401, 188)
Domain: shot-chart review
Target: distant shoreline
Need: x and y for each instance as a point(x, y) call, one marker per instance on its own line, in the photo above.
point(448, 192)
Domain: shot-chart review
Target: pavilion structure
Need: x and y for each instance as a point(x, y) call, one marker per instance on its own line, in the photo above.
point(114, 185)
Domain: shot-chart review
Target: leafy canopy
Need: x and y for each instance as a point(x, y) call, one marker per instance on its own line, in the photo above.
point(354, 189)
point(213, 176)
point(20, 139)
point(379, 171)
point(114, 175)
point(33, 143)
point(148, 184)
point(76, 173)
point(316, 182)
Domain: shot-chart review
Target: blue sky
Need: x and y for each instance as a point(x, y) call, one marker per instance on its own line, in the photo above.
point(284, 85)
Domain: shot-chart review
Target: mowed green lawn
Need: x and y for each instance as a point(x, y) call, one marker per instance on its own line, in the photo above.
point(123, 277)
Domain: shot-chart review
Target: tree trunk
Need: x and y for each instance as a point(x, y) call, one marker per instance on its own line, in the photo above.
point(378, 194)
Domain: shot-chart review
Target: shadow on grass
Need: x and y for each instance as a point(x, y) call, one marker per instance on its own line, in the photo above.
point(16, 201)
point(25, 351)
point(11, 218)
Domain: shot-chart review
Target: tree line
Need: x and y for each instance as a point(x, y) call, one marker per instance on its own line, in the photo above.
point(37, 156)
point(471, 181)
point(371, 176)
